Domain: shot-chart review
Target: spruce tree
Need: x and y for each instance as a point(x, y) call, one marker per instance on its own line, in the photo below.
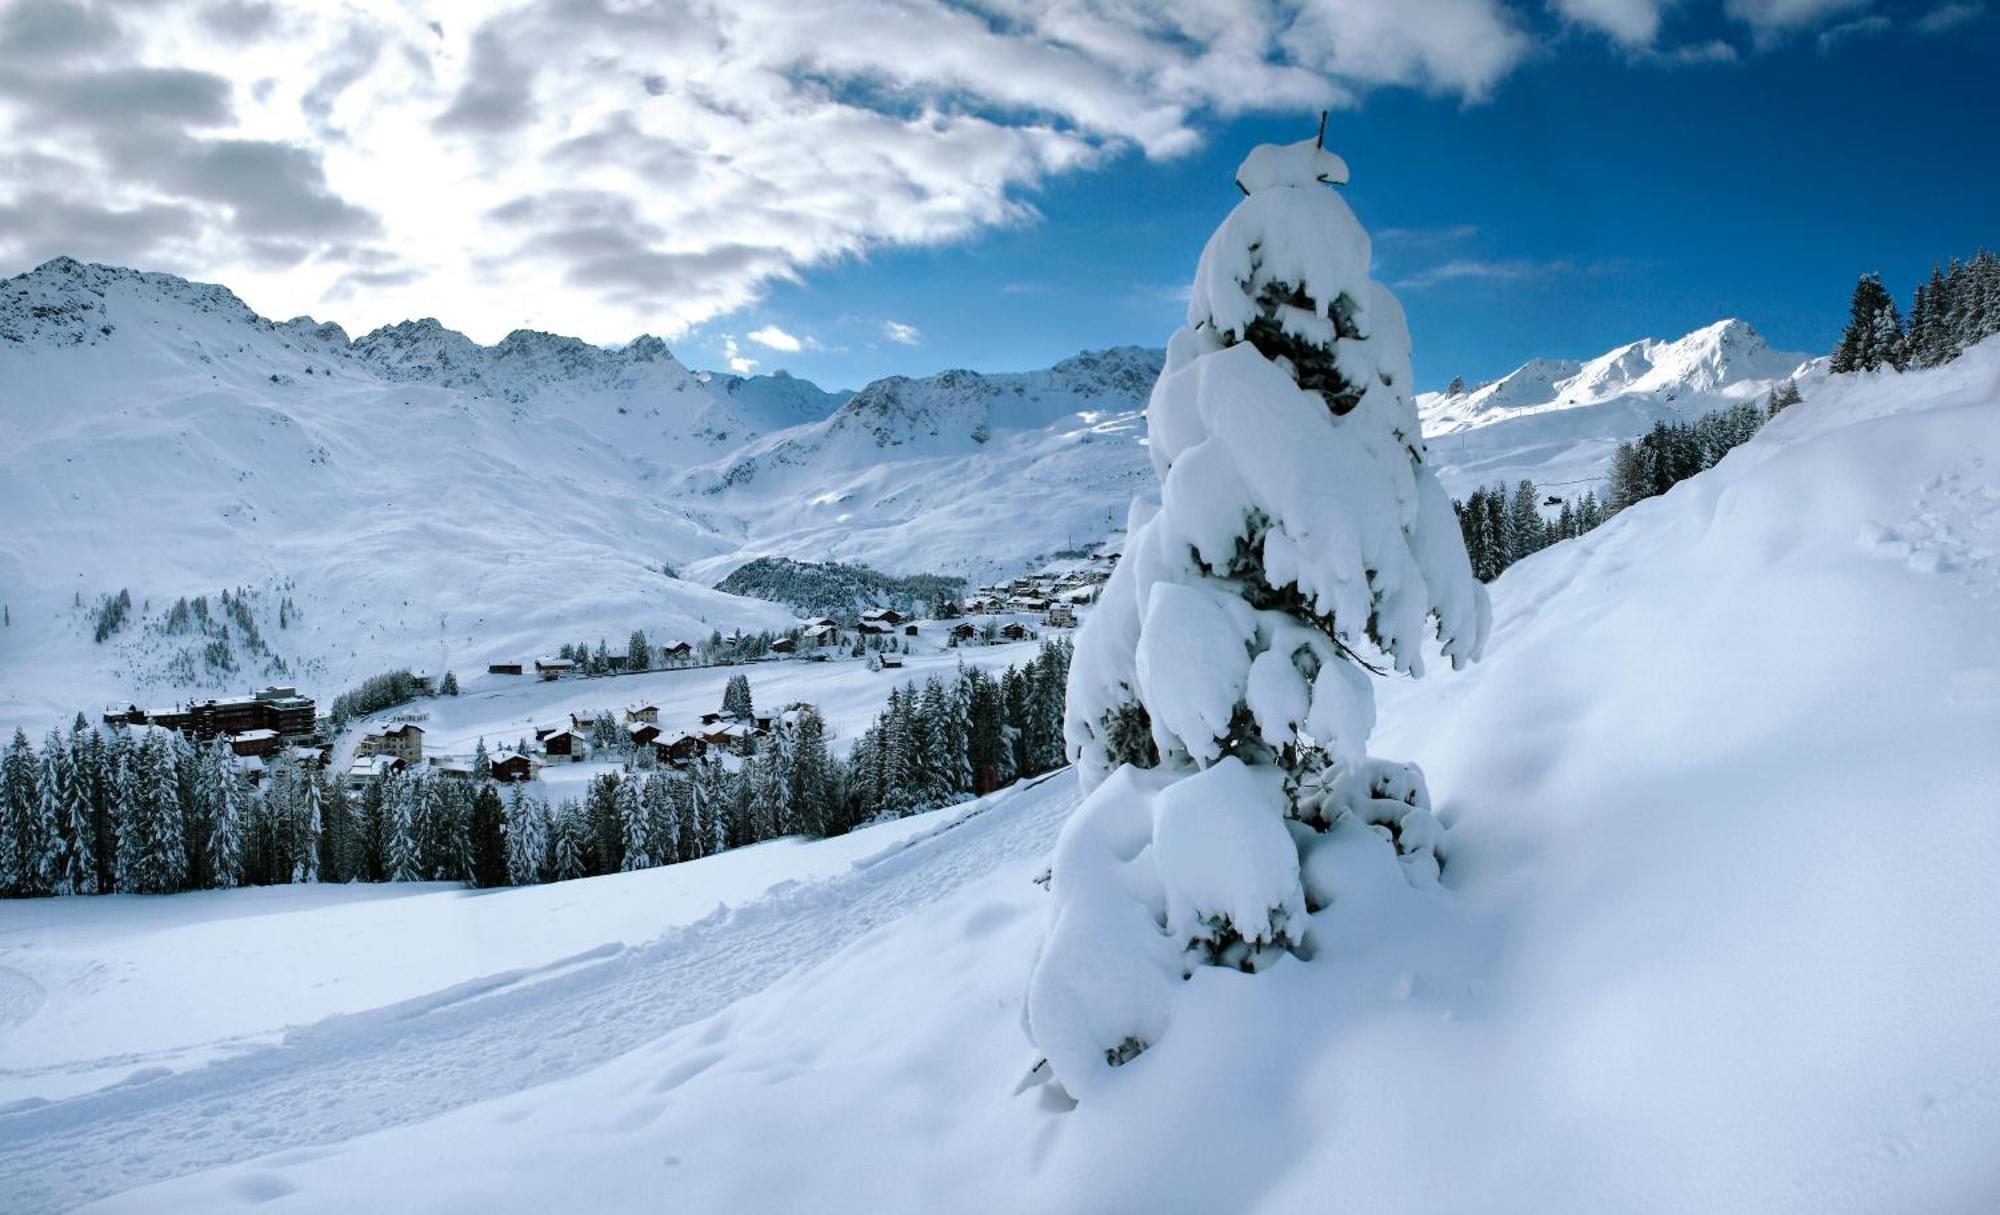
point(1301, 543)
point(736, 698)
point(1874, 334)
point(636, 836)
point(568, 842)
point(1525, 512)
point(223, 791)
point(66, 863)
point(489, 838)
point(527, 838)
point(311, 823)
point(28, 844)
point(401, 795)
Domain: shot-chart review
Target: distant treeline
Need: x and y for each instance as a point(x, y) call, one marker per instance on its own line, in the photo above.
point(1957, 307)
point(150, 811)
point(1500, 527)
point(826, 588)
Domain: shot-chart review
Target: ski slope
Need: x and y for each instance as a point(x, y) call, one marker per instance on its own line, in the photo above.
point(1723, 806)
point(404, 1048)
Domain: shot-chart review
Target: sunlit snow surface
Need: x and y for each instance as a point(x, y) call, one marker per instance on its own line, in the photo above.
point(1714, 936)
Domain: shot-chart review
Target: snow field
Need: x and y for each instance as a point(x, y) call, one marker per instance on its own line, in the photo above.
point(1723, 840)
point(378, 1065)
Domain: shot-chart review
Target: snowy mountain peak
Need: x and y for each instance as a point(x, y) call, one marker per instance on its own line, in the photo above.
point(65, 302)
point(1726, 361)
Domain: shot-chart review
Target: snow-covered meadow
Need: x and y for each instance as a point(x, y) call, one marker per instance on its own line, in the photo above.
point(1723, 827)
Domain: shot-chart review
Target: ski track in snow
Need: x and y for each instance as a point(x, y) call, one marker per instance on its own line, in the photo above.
point(349, 1075)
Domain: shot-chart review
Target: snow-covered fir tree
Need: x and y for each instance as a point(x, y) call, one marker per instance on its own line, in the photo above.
point(568, 842)
point(223, 790)
point(736, 698)
point(489, 838)
point(311, 822)
point(1301, 542)
point(401, 796)
point(636, 835)
point(527, 838)
point(1874, 334)
point(27, 832)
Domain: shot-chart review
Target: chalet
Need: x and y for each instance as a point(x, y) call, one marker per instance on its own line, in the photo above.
point(678, 650)
point(368, 769)
point(503, 668)
point(709, 719)
point(1061, 616)
point(260, 743)
point(453, 766)
point(879, 628)
point(564, 742)
point(1014, 630)
point(824, 622)
point(822, 632)
point(732, 737)
point(511, 766)
point(642, 733)
point(680, 747)
point(308, 757)
point(785, 645)
point(581, 722)
point(554, 668)
point(961, 633)
point(643, 711)
point(404, 740)
point(883, 620)
point(424, 682)
point(909, 630)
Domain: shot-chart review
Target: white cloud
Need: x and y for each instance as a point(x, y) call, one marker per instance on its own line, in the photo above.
point(774, 338)
point(1770, 19)
point(610, 166)
point(1633, 23)
point(733, 355)
point(897, 331)
point(1862, 27)
point(1636, 24)
point(1504, 270)
point(1949, 17)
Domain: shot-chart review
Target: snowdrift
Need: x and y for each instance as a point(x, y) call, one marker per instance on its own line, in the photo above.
point(1712, 935)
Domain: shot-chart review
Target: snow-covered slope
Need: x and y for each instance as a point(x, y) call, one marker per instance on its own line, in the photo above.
point(957, 472)
point(412, 498)
point(1723, 803)
point(1557, 421)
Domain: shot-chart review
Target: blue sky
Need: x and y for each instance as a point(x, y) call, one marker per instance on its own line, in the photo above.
point(1597, 197)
